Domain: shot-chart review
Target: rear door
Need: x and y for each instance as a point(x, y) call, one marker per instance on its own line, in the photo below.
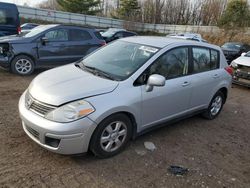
point(206, 75)
point(81, 43)
point(56, 50)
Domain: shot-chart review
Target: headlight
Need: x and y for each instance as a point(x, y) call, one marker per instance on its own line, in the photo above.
point(234, 65)
point(70, 112)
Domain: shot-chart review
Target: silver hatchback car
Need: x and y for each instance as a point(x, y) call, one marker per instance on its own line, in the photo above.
point(122, 90)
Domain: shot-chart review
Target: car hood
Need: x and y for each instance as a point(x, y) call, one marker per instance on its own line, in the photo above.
point(68, 83)
point(245, 61)
point(14, 39)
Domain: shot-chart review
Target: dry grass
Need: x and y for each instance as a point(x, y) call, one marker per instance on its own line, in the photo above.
point(221, 38)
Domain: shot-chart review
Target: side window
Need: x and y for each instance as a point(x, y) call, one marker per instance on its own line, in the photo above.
point(119, 35)
point(204, 59)
point(172, 64)
point(127, 34)
point(79, 35)
point(3, 17)
point(57, 35)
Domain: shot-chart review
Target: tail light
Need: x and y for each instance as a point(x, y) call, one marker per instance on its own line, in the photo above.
point(229, 69)
point(19, 30)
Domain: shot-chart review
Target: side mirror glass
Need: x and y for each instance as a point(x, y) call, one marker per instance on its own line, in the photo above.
point(155, 80)
point(243, 54)
point(44, 40)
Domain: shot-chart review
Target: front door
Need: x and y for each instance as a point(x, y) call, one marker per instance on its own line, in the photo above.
point(171, 100)
point(55, 50)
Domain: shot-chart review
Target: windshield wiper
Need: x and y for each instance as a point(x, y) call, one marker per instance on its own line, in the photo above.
point(95, 71)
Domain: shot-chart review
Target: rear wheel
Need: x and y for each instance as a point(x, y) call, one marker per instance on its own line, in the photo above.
point(215, 106)
point(22, 65)
point(111, 136)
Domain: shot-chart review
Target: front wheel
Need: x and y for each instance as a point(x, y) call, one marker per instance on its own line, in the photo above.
point(215, 106)
point(111, 136)
point(22, 65)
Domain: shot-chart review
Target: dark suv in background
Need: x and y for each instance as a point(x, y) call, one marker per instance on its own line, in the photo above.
point(46, 46)
point(233, 50)
point(9, 19)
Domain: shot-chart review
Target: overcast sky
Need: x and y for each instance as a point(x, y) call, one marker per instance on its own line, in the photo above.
point(21, 2)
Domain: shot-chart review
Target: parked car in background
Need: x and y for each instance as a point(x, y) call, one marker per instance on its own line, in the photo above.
point(116, 33)
point(28, 26)
point(241, 67)
point(187, 36)
point(47, 45)
point(9, 19)
point(233, 50)
point(121, 91)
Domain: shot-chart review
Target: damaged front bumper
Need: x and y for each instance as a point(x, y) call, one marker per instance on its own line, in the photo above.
point(242, 77)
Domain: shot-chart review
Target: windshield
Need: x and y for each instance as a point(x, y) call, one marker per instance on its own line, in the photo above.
point(37, 30)
point(234, 46)
point(120, 59)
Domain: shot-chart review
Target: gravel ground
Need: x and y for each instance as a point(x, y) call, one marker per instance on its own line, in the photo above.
point(217, 153)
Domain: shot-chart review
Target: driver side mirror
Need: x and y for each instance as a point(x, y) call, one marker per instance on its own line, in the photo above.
point(243, 54)
point(155, 80)
point(44, 40)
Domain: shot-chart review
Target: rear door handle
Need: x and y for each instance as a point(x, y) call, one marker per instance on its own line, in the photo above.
point(185, 84)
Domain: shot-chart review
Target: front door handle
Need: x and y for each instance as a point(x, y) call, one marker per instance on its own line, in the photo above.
point(185, 84)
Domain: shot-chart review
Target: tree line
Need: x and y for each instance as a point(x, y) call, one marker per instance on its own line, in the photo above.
point(225, 13)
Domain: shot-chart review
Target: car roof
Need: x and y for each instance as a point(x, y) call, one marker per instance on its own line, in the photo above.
point(8, 5)
point(161, 42)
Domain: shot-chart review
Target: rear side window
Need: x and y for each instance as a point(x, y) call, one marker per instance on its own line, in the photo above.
point(98, 35)
point(79, 35)
point(204, 59)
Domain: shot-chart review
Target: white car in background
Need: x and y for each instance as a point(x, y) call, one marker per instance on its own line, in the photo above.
point(187, 36)
point(241, 67)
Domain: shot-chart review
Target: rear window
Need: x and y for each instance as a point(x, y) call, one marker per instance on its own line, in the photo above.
point(205, 59)
point(79, 35)
point(7, 17)
point(98, 35)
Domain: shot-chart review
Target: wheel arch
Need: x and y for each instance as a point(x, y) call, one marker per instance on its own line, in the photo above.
point(26, 54)
point(224, 90)
point(130, 115)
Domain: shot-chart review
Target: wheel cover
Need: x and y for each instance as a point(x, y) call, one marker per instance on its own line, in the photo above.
point(216, 105)
point(23, 66)
point(113, 136)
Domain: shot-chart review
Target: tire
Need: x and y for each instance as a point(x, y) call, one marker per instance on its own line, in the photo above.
point(215, 106)
point(22, 65)
point(111, 136)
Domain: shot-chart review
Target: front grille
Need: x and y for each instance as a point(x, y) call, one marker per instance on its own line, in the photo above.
point(33, 132)
point(38, 107)
point(243, 72)
point(244, 68)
